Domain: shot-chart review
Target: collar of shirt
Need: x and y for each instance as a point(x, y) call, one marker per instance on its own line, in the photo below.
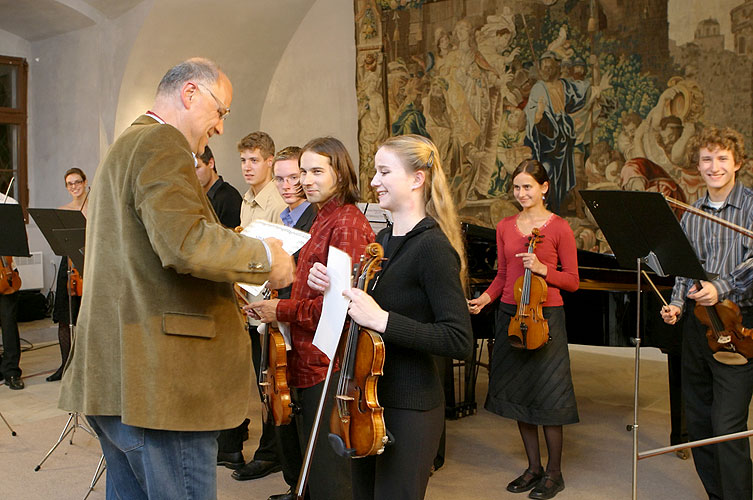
point(734, 198)
point(213, 190)
point(263, 198)
point(290, 217)
point(152, 114)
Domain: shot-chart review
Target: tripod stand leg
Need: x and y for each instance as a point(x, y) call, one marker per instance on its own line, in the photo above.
point(101, 466)
point(66, 430)
point(12, 432)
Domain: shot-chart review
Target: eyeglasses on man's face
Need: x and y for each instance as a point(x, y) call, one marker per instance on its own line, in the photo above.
point(221, 108)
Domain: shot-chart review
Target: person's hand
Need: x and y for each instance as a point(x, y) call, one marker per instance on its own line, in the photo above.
point(318, 279)
point(365, 311)
point(265, 310)
point(670, 314)
point(530, 261)
point(283, 265)
point(475, 305)
point(250, 312)
point(707, 295)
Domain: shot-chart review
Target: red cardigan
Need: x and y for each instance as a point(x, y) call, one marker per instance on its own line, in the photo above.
point(556, 246)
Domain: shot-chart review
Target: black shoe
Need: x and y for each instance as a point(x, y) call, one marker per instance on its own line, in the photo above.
point(525, 481)
point(547, 488)
point(14, 383)
point(55, 376)
point(231, 460)
point(285, 496)
point(256, 469)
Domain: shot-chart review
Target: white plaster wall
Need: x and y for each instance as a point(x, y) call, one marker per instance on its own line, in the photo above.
point(313, 90)
point(73, 87)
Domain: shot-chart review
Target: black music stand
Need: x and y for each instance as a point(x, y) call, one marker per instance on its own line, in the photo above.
point(641, 228)
point(15, 244)
point(65, 231)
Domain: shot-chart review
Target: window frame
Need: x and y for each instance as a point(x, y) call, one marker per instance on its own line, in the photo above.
point(19, 116)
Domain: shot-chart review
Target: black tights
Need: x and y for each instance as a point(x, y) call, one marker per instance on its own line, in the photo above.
point(64, 337)
point(553, 437)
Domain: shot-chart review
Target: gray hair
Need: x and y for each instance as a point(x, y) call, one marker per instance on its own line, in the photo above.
point(202, 70)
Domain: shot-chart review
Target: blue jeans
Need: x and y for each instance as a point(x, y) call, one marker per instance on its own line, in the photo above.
point(156, 464)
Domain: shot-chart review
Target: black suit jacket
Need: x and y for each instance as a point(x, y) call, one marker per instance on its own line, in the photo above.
point(226, 201)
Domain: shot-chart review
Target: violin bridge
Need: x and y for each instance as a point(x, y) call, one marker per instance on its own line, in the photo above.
point(265, 383)
point(345, 397)
point(724, 339)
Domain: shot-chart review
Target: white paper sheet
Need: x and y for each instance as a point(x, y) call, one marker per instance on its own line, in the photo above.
point(335, 306)
point(292, 239)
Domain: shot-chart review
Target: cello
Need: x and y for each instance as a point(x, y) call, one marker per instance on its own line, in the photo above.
point(528, 329)
point(357, 426)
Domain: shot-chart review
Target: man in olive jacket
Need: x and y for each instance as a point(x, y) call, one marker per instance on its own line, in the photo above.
point(159, 333)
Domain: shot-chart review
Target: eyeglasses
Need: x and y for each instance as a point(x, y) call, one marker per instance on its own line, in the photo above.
point(74, 183)
point(293, 180)
point(221, 108)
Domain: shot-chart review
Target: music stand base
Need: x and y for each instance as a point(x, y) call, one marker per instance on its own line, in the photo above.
point(12, 432)
point(70, 427)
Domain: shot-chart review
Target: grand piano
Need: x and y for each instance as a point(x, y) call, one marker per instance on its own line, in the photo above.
point(601, 312)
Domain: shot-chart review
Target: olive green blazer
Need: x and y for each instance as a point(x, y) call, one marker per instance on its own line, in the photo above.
point(160, 340)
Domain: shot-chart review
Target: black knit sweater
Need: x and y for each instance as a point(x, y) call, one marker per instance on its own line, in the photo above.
point(419, 286)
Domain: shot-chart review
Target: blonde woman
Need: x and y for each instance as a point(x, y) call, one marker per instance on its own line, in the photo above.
point(417, 304)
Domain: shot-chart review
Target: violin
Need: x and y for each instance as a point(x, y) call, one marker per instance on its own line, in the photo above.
point(357, 426)
point(728, 339)
point(75, 281)
point(529, 329)
point(273, 373)
point(10, 280)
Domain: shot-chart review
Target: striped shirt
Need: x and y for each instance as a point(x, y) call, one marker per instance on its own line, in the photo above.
point(721, 250)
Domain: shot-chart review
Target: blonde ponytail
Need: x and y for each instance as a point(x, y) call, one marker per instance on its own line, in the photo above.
point(419, 153)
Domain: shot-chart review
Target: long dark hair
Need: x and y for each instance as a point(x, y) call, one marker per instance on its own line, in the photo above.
point(334, 150)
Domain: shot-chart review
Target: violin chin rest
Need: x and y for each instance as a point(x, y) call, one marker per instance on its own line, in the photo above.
point(730, 358)
point(338, 445)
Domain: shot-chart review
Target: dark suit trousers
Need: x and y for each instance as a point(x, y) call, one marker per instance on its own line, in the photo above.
point(232, 439)
point(11, 341)
point(717, 397)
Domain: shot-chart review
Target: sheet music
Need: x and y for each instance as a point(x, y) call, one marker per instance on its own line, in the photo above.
point(335, 306)
point(292, 239)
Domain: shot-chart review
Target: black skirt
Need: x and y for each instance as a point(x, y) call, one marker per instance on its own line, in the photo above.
point(532, 386)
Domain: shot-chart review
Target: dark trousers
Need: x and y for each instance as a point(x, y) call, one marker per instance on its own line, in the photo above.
point(717, 397)
point(402, 471)
point(679, 430)
point(231, 440)
point(11, 341)
point(289, 451)
point(330, 473)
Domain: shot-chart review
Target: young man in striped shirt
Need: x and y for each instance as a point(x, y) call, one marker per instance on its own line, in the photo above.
point(717, 395)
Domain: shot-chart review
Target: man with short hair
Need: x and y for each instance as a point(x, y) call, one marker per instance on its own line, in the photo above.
point(717, 395)
point(261, 201)
point(225, 199)
point(299, 214)
point(159, 329)
point(330, 182)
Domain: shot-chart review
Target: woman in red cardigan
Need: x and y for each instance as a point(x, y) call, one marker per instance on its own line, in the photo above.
point(533, 387)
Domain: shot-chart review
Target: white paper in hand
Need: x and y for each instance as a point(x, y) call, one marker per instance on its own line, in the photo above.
point(335, 306)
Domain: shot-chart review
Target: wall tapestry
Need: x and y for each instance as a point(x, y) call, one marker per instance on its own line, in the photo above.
point(595, 89)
